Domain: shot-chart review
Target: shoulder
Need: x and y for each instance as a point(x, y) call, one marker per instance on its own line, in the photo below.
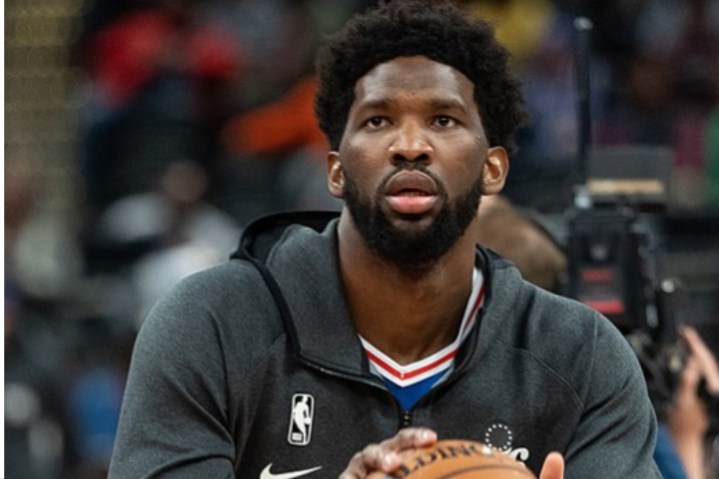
point(561, 335)
point(225, 309)
point(543, 318)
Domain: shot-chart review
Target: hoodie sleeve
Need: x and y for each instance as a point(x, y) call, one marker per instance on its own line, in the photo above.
point(617, 430)
point(173, 419)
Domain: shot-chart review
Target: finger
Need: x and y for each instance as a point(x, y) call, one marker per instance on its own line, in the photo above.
point(355, 469)
point(371, 458)
point(408, 438)
point(385, 455)
point(375, 457)
point(388, 458)
point(707, 361)
point(553, 467)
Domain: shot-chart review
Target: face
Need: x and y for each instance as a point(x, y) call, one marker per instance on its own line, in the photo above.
point(414, 159)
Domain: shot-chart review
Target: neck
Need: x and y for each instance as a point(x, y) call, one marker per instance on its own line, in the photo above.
point(408, 315)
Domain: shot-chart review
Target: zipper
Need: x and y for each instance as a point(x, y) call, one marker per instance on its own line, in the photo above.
point(405, 416)
point(405, 419)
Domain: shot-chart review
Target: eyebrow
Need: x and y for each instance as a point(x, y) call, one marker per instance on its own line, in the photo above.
point(447, 104)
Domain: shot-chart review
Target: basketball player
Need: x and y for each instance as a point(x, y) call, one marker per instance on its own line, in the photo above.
point(389, 319)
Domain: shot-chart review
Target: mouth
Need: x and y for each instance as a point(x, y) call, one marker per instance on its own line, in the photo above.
point(411, 193)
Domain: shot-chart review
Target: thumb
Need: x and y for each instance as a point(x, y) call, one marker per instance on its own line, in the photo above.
point(553, 467)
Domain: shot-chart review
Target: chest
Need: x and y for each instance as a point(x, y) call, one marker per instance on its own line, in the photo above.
point(302, 419)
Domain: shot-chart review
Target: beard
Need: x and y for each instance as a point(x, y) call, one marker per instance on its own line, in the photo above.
point(412, 250)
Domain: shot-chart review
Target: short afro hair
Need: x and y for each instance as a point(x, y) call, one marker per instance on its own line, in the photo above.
point(439, 31)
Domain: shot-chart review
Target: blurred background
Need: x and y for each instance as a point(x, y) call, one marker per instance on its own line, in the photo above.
point(141, 136)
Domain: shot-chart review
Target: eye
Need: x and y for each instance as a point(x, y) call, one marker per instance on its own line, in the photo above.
point(376, 122)
point(444, 121)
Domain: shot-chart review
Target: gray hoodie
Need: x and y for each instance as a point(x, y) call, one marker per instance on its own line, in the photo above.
point(253, 369)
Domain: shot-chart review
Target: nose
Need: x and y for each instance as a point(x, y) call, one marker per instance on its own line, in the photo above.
point(411, 143)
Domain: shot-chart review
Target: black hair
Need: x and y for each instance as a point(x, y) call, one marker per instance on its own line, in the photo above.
point(439, 31)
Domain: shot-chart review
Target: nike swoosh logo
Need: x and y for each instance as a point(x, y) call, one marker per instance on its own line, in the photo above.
point(266, 474)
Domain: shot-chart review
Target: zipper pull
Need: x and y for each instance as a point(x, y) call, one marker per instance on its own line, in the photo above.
point(405, 419)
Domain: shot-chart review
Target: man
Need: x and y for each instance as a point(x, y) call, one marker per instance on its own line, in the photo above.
point(388, 321)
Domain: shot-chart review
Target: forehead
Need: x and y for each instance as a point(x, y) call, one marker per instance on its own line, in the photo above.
point(412, 74)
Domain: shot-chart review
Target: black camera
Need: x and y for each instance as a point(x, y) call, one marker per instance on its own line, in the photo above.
point(616, 254)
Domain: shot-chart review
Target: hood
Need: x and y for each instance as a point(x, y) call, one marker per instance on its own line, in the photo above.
point(296, 254)
point(261, 235)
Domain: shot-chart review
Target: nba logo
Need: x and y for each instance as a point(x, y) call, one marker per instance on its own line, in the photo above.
point(303, 410)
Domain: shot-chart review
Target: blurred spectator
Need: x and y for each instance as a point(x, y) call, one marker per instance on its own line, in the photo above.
point(39, 434)
point(666, 456)
point(181, 232)
point(287, 130)
point(161, 77)
point(506, 230)
point(276, 134)
point(671, 89)
point(648, 112)
point(548, 87)
point(690, 418)
point(286, 124)
point(42, 256)
point(95, 397)
point(548, 143)
point(101, 351)
point(521, 25)
point(713, 156)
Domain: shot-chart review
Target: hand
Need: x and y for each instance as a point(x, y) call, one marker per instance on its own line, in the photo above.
point(688, 418)
point(708, 365)
point(553, 467)
point(385, 456)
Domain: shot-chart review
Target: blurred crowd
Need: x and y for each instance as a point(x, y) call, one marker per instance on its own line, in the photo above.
point(197, 116)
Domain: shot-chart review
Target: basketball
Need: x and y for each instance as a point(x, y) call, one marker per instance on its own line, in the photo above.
point(458, 459)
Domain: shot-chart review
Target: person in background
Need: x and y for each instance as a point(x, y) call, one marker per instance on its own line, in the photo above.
point(507, 230)
point(688, 419)
point(161, 76)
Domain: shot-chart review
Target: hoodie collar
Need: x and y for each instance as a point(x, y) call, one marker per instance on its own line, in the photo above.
point(304, 262)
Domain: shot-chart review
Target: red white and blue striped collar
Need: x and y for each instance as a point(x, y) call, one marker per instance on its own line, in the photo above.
point(442, 360)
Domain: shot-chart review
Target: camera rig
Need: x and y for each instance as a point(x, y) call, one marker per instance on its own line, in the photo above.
point(615, 245)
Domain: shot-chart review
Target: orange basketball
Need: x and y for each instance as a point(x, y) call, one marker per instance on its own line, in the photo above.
point(458, 459)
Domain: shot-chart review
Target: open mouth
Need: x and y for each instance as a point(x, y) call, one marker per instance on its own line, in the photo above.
point(411, 182)
point(411, 192)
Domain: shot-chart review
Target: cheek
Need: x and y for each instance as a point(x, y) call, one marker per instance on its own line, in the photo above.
point(466, 166)
point(361, 163)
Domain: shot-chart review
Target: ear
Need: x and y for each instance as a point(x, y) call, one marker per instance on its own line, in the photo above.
point(335, 175)
point(494, 171)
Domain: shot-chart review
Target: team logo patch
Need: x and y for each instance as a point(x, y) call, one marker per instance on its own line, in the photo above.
point(499, 436)
point(301, 416)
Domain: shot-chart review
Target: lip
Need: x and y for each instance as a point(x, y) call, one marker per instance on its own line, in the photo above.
point(411, 192)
